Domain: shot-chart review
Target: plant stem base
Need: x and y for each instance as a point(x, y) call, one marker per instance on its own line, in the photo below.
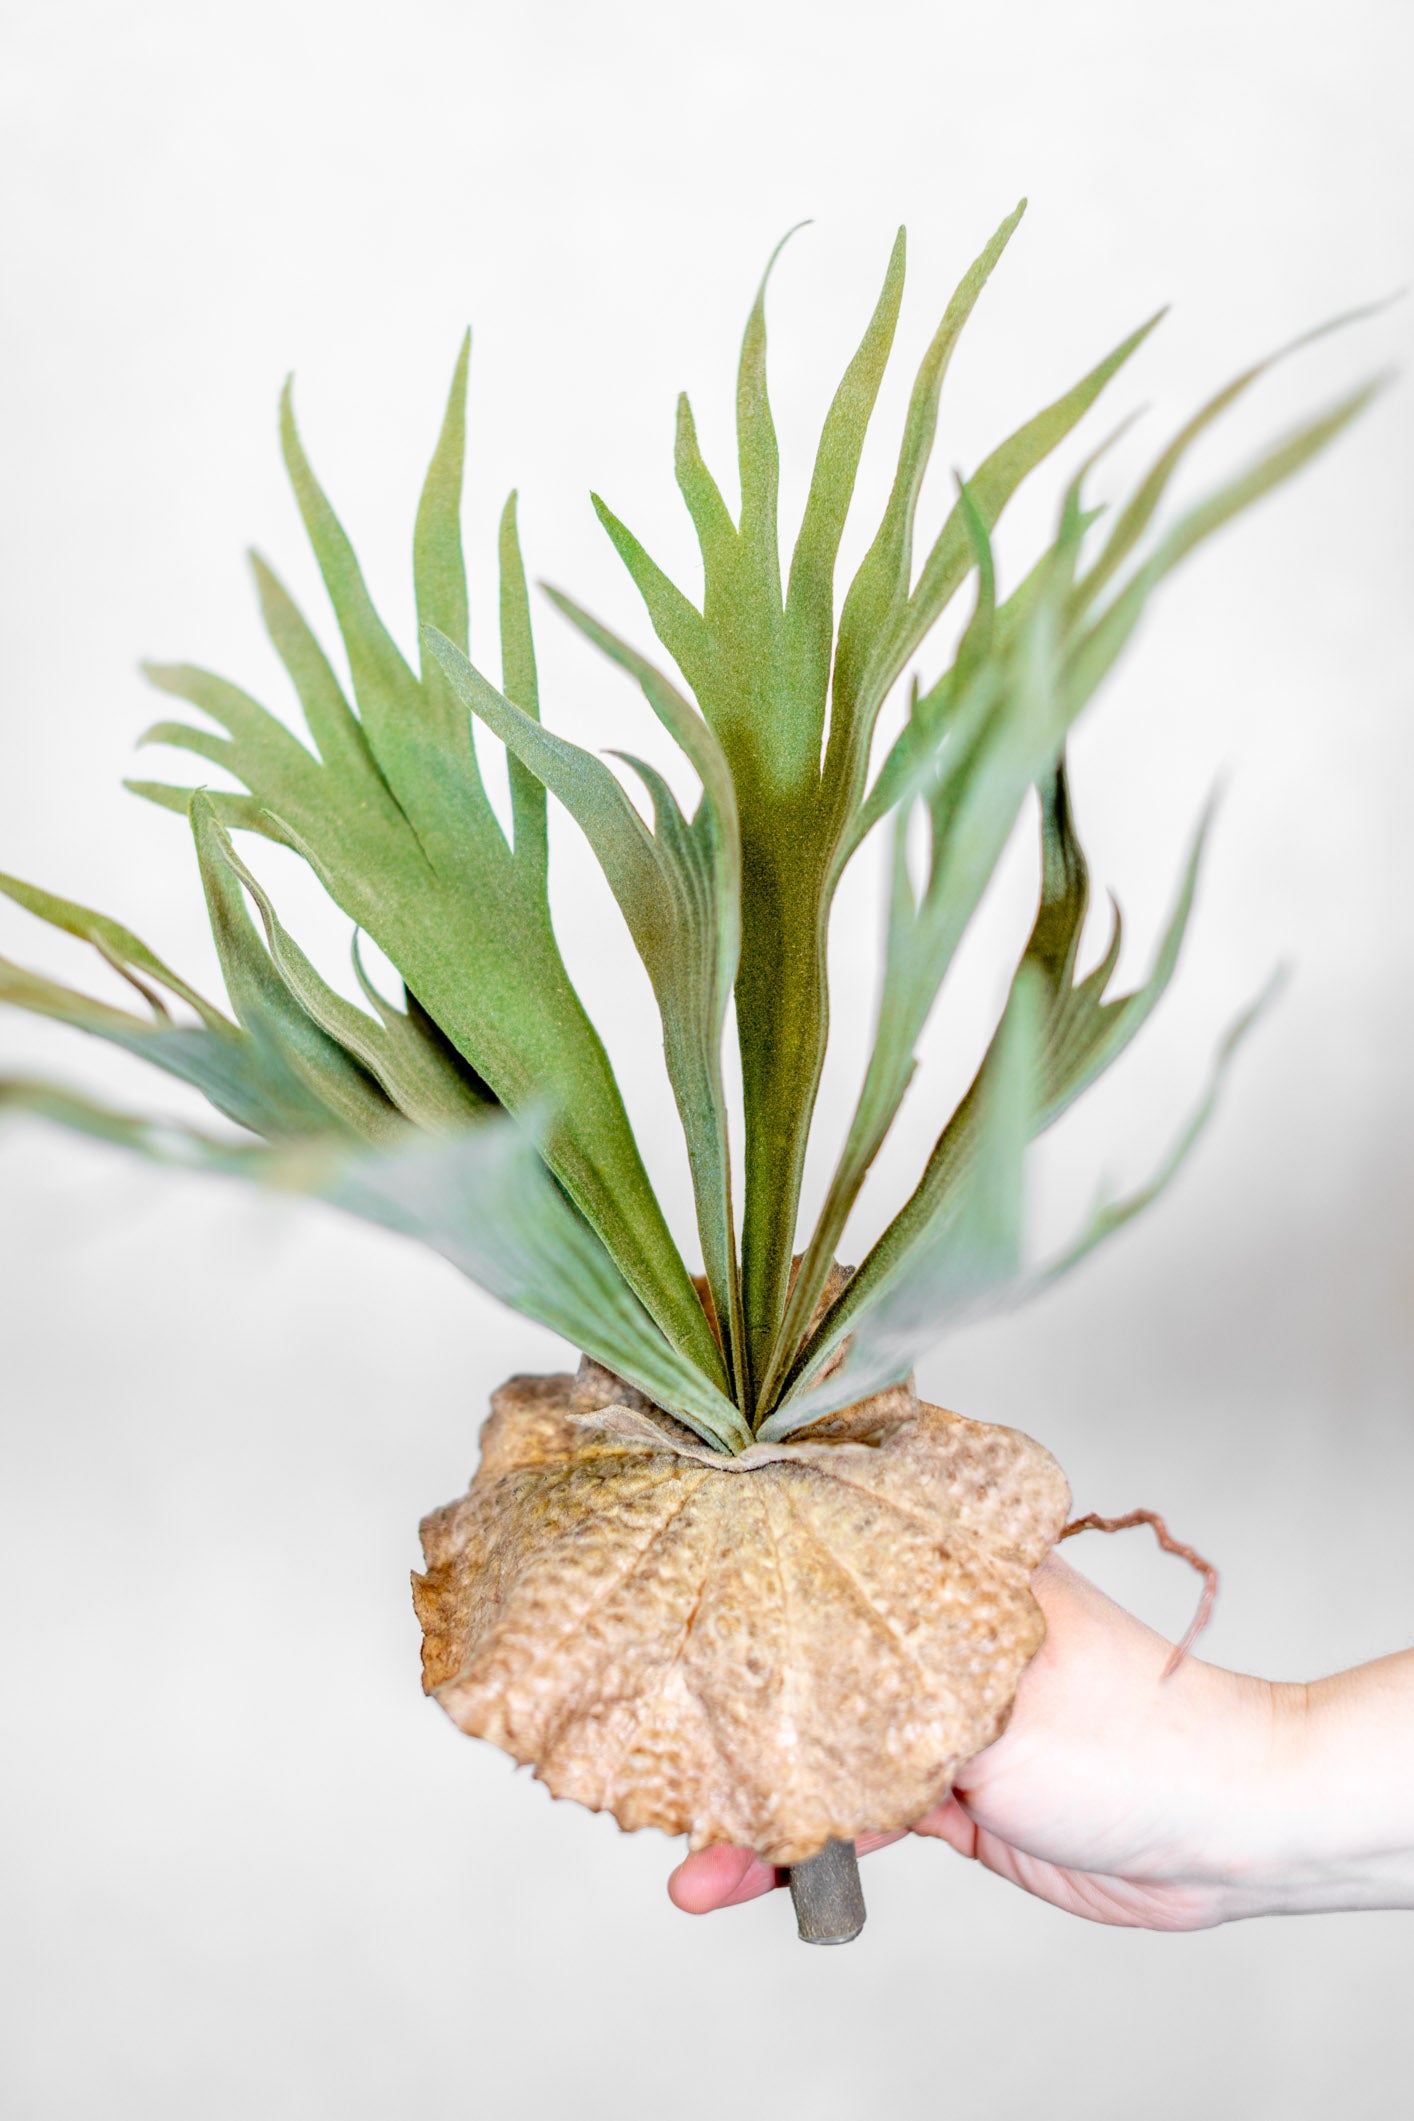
point(829, 1901)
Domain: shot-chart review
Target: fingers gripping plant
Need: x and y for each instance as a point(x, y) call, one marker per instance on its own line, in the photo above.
point(733, 1579)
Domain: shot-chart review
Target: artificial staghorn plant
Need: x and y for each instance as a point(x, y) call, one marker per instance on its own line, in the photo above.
point(733, 1579)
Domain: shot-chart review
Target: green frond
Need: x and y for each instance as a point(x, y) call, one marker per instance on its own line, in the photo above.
point(480, 1115)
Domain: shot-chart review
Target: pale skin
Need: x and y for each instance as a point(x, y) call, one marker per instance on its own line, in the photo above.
point(1166, 1804)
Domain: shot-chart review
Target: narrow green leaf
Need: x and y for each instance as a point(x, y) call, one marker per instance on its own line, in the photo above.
point(950, 561)
point(582, 782)
point(880, 589)
point(711, 518)
point(284, 764)
point(971, 1256)
point(335, 1083)
point(810, 598)
point(1082, 1035)
point(1007, 728)
point(223, 1064)
point(995, 481)
point(439, 572)
point(1096, 652)
point(520, 684)
point(123, 950)
point(413, 1073)
point(438, 567)
point(1138, 512)
point(330, 720)
point(1087, 1033)
point(758, 457)
point(204, 743)
point(419, 1067)
point(484, 1201)
point(1111, 1216)
point(238, 813)
point(679, 717)
point(161, 1141)
point(677, 622)
point(386, 690)
point(42, 996)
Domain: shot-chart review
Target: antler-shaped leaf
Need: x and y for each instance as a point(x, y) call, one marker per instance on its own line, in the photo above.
point(1079, 1033)
point(1084, 649)
point(760, 667)
point(394, 819)
point(387, 805)
point(965, 1261)
point(679, 890)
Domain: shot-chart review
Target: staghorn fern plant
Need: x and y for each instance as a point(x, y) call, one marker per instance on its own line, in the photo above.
point(787, 1658)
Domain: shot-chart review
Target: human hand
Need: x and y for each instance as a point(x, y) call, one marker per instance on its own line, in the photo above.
point(1166, 1804)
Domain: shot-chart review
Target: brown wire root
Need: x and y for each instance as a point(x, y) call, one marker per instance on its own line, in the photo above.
point(1170, 1545)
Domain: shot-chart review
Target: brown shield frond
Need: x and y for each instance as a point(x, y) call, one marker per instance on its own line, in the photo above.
point(777, 1649)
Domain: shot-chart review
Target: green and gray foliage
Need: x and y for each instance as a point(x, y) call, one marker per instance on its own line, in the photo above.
point(482, 1114)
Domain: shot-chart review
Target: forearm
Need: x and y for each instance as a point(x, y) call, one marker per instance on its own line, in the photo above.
point(1336, 1828)
point(1179, 1802)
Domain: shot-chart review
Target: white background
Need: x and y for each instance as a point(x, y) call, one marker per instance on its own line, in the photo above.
point(250, 1872)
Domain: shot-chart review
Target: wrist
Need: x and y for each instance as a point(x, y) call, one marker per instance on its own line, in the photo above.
point(1323, 1818)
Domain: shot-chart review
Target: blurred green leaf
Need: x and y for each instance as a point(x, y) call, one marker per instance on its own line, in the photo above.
point(969, 1256)
point(1081, 1033)
point(482, 1199)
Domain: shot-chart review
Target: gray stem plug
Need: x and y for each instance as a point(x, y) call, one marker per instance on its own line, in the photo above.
point(829, 1902)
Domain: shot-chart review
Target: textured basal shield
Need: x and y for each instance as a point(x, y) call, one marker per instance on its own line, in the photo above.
point(775, 1649)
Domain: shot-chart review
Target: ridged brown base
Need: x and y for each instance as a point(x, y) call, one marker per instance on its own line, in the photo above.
point(778, 1650)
